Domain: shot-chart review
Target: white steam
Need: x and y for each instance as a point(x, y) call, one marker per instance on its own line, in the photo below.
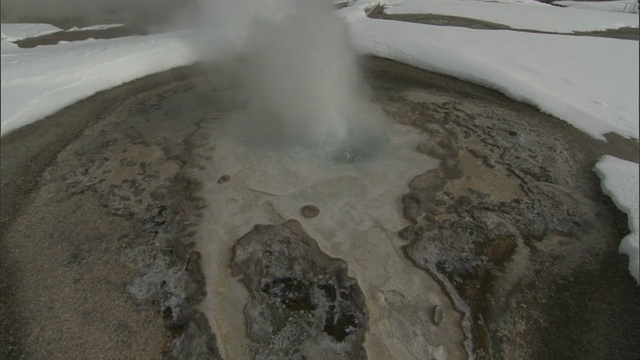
point(297, 70)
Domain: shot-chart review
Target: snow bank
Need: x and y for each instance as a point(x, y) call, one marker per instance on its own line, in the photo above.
point(620, 181)
point(573, 78)
point(17, 32)
point(518, 16)
point(40, 81)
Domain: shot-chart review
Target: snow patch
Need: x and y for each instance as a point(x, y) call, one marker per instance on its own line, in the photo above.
point(572, 78)
point(542, 18)
point(40, 81)
point(17, 32)
point(619, 180)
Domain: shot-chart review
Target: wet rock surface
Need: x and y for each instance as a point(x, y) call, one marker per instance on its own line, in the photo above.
point(303, 304)
point(520, 218)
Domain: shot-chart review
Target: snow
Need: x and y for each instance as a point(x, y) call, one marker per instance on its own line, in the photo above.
point(520, 16)
point(17, 32)
point(626, 6)
point(8, 47)
point(574, 78)
point(95, 27)
point(619, 180)
point(40, 81)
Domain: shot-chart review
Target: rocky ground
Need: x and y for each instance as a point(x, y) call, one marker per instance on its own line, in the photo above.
point(514, 220)
point(100, 204)
point(97, 212)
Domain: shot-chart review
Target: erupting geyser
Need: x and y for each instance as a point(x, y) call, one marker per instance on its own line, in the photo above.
point(301, 114)
point(300, 77)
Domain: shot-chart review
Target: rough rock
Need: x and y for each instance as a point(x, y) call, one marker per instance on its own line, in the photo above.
point(303, 304)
